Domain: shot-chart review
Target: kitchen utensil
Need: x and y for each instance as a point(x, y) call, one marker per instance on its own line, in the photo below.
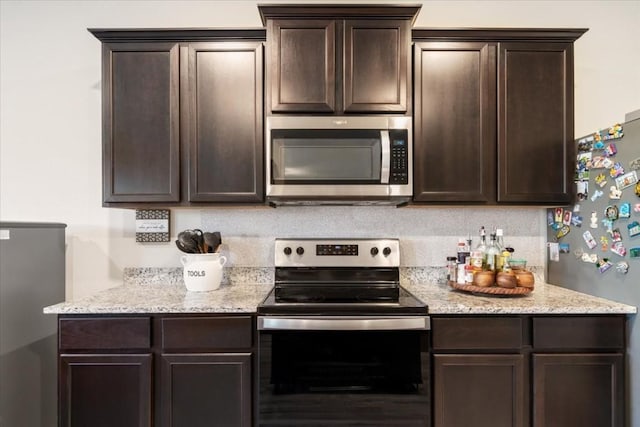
point(484, 278)
point(184, 249)
point(189, 243)
point(213, 241)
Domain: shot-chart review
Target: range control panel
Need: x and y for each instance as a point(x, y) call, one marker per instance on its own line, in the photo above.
point(337, 253)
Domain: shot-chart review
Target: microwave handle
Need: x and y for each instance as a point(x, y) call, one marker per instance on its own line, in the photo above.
point(386, 156)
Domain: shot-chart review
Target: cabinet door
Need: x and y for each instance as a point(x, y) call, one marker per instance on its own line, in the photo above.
point(377, 66)
point(479, 390)
point(206, 390)
point(141, 147)
point(105, 390)
point(535, 138)
point(301, 65)
point(455, 122)
point(581, 390)
point(222, 111)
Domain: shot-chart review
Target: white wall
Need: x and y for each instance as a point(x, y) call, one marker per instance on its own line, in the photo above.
point(50, 148)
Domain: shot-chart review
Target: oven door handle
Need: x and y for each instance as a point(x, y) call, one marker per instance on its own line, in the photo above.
point(342, 323)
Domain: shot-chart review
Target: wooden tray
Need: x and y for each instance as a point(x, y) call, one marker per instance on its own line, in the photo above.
point(492, 290)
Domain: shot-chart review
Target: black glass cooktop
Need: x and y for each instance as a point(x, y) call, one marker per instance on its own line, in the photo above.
point(389, 301)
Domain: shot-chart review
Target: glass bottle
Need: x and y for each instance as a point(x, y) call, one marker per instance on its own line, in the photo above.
point(492, 254)
point(500, 245)
point(479, 254)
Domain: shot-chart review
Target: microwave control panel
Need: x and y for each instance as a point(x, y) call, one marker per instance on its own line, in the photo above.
point(399, 168)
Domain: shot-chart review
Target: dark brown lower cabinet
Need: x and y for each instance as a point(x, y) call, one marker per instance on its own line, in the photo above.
point(206, 390)
point(479, 390)
point(105, 390)
point(581, 390)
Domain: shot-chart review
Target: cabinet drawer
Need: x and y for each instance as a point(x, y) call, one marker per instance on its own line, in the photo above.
point(583, 332)
point(477, 333)
point(207, 333)
point(105, 333)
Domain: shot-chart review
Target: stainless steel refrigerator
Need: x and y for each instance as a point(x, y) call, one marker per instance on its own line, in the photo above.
point(32, 276)
point(571, 271)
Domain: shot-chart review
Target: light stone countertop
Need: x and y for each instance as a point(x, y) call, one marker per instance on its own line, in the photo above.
point(162, 291)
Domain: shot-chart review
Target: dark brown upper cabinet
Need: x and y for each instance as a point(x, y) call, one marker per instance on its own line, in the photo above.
point(222, 126)
point(182, 117)
point(494, 116)
point(338, 59)
point(455, 121)
point(141, 141)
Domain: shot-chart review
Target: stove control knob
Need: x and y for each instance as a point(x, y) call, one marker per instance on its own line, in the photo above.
point(386, 251)
point(374, 251)
point(300, 250)
point(287, 250)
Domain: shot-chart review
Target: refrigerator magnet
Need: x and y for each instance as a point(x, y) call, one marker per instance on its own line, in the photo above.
point(611, 212)
point(616, 236)
point(594, 220)
point(589, 240)
point(625, 210)
point(576, 220)
point(610, 150)
point(616, 170)
point(614, 193)
point(622, 267)
point(626, 180)
point(596, 195)
point(634, 252)
point(604, 243)
point(563, 231)
point(635, 164)
point(566, 220)
point(619, 249)
point(601, 180)
point(634, 229)
point(603, 265)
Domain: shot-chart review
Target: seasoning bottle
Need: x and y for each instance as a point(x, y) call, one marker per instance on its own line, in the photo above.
point(492, 254)
point(478, 255)
point(500, 246)
point(451, 268)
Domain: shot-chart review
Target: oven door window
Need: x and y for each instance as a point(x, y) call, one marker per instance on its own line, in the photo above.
point(326, 156)
point(326, 378)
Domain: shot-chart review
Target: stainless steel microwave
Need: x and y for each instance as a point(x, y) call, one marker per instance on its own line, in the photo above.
point(339, 160)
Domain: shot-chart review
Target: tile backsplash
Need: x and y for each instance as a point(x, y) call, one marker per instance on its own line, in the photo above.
point(427, 234)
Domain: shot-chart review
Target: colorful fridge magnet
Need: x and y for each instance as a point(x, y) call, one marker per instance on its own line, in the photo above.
point(586, 143)
point(634, 229)
point(626, 180)
point(550, 217)
point(596, 195)
point(636, 208)
point(603, 265)
point(625, 210)
point(613, 132)
point(616, 236)
point(635, 164)
point(582, 190)
point(558, 215)
point(563, 231)
point(614, 193)
point(601, 180)
point(576, 221)
point(637, 190)
point(594, 220)
point(556, 226)
point(634, 252)
point(566, 219)
point(616, 170)
point(589, 240)
point(622, 267)
point(564, 248)
point(604, 243)
point(608, 225)
point(601, 162)
point(590, 258)
point(598, 145)
point(611, 212)
point(610, 150)
point(619, 249)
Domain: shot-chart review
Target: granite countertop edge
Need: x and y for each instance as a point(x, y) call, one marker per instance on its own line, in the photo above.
point(152, 292)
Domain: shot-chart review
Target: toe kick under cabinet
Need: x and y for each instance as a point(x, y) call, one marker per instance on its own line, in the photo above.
point(165, 371)
point(520, 371)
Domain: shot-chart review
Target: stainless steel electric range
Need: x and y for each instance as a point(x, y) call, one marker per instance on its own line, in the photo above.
point(341, 342)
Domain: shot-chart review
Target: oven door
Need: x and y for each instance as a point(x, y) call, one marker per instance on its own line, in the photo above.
point(344, 371)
